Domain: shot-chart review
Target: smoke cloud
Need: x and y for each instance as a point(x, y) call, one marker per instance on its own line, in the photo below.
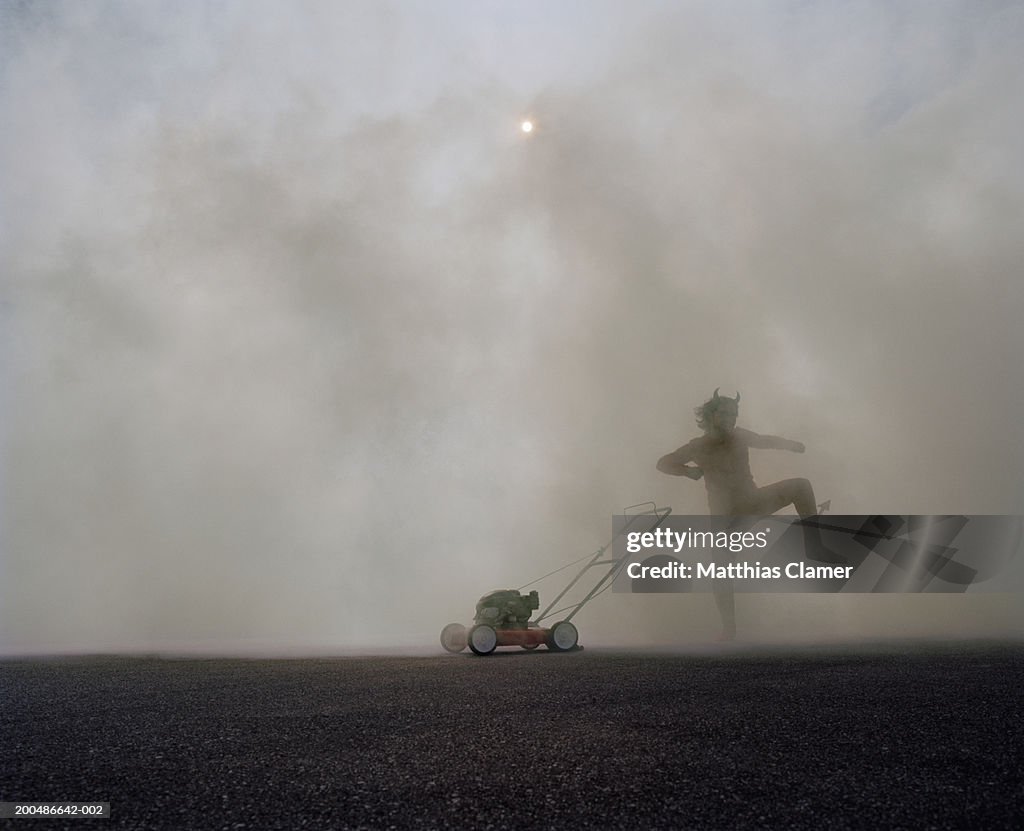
point(306, 346)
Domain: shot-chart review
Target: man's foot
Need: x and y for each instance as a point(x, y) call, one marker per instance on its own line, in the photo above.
point(815, 549)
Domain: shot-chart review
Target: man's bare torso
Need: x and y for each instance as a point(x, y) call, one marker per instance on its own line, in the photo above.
point(725, 460)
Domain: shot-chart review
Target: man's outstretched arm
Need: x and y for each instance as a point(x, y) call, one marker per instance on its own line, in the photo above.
point(677, 463)
point(759, 442)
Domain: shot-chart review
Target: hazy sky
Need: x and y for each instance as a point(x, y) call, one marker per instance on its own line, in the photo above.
point(305, 344)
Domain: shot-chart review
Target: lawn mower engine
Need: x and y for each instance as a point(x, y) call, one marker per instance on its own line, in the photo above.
point(506, 609)
point(503, 619)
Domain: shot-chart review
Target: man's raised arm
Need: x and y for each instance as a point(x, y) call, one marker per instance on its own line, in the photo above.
point(677, 463)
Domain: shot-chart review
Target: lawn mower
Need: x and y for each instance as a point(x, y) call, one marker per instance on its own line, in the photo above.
point(503, 617)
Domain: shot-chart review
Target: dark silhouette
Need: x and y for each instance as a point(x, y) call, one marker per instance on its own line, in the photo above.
point(721, 456)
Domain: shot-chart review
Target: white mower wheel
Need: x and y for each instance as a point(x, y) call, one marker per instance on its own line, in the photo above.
point(562, 637)
point(453, 637)
point(483, 639)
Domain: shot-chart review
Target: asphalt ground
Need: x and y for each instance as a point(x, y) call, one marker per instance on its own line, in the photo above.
point(871, 736)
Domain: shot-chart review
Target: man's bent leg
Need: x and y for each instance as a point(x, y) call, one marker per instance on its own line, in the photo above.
point(799, 494)
point(775, 497)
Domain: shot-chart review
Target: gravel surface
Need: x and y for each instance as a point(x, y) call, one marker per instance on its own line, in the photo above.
point(880, 736)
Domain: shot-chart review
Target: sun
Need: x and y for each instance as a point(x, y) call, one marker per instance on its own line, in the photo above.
point(526, 126)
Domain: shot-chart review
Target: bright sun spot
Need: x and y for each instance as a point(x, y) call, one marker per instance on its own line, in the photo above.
point(526, 126)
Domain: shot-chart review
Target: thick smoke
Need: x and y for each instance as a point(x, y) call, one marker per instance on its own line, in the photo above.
point(305, 346)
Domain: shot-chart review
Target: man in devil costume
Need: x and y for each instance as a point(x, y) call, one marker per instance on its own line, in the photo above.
point(722, 458)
